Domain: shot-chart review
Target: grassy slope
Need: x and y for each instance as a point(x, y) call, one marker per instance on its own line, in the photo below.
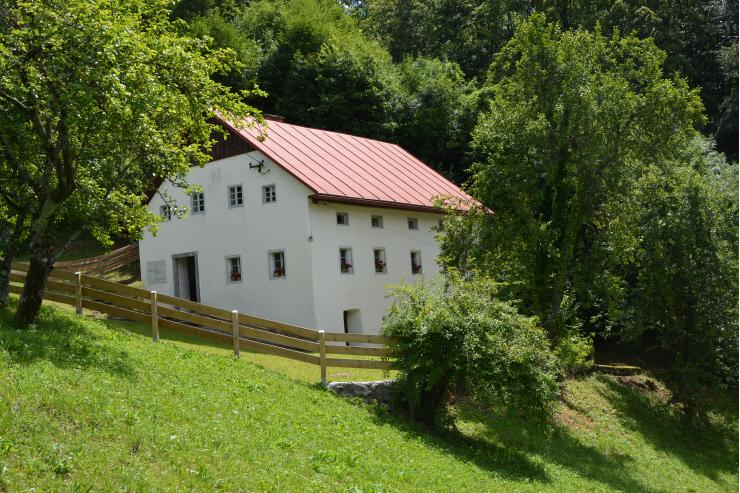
point(94, 404)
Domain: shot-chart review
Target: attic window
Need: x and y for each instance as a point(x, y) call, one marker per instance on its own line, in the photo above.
point(269, 195)
point(198, 203)
point(413, 223)
point(166, 212)
point(416, 262)
point(234, 269)
point(342, 219)
point(376, 221)
point(345, 261)
point(236, 196)
point(277, 264)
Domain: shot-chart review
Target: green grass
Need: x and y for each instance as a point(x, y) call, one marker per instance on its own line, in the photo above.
point(93, 405)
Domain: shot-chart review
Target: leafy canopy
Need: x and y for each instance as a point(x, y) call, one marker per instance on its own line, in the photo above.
point(458, 337)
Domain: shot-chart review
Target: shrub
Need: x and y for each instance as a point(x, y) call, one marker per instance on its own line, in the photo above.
point(454, 336)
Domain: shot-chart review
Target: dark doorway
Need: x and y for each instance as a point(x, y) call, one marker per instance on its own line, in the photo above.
point(186, 276)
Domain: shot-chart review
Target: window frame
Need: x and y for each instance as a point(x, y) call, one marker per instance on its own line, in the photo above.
point(383, 259)
point(414, 221)
point(238, 195)
point(273, 198)
point(380, 221)
point(420, 269)
point(345, 216)
point(165, 212)
point(348, 260)
point(228, 260)
point(271, 265)
point(201, 204)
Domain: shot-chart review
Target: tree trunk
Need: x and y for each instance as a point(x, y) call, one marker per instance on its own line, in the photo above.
point(34, 287)
point(10, 244)
point(5, 263)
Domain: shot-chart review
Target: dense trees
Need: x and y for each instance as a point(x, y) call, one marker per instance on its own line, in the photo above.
point(96, 101)
point(609, 213)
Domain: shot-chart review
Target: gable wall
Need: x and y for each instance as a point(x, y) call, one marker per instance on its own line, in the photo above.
point(249, 231)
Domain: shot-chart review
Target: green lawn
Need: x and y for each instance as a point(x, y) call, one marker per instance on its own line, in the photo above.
point(93, 405)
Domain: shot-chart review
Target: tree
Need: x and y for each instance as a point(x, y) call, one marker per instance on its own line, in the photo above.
point(573, 116)
point(458, 338)
point(98, 100)
point(680, 265)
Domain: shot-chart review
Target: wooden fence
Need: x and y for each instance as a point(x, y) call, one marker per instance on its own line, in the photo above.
point(103, 263)
point(226, 326)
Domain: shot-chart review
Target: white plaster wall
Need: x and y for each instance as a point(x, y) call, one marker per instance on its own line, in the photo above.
point(365, 290)
point(250, 231)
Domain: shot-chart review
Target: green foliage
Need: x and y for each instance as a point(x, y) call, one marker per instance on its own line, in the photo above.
point(461, 339)
point(571, 116)
point(98, 100)
point(682, 265)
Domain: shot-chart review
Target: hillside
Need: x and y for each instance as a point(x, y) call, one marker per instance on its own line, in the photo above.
point(92, 404)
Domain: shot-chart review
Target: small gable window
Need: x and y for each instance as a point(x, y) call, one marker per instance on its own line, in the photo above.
point(277, 264)
point(166, 212)
point(236, 196)
point(234, 269)
point(379, 259)
point(376, 221)
point(342, 219)
point(198, 203)
point(345, 261)
point(416, 262)
point(413, 223)
point(269, 195)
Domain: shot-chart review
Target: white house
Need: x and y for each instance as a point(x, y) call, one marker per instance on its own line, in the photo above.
point(306, 227)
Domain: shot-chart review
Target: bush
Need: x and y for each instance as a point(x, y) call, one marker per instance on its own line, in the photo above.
point(456, 337)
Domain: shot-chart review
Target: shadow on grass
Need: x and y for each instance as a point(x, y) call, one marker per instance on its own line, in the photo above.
point(513, 448)
point(64, 340)
point(709, 449)
point(498, 459)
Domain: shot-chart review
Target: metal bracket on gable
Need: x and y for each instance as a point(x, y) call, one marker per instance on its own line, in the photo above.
point(259, 167)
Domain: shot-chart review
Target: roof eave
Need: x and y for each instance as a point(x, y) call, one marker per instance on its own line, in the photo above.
point(318, 197)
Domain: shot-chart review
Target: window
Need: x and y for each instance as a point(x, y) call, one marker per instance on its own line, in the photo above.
point(268, 194)
point(156, 272)
point(379, 258)
point(277, 264)
point(413, 223)
point(345, 261)
point(198, 203)
point(342, 219)
point(416, 262)
point(236, 197)
point(166, 212)
point(234, 269)
point(376, 221)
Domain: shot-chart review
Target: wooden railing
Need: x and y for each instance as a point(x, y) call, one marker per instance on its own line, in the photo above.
point(226, 326)
point(103, 263)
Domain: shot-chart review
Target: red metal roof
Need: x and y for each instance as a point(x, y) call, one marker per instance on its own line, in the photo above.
point(343, 168)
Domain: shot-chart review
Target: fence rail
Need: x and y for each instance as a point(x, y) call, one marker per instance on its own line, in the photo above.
point(226, 326)
point(103, 263)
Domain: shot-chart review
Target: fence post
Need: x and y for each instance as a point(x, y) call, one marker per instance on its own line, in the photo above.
point(155, 317)
point(78, 293)
point(322, 356)
point(235, 331)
